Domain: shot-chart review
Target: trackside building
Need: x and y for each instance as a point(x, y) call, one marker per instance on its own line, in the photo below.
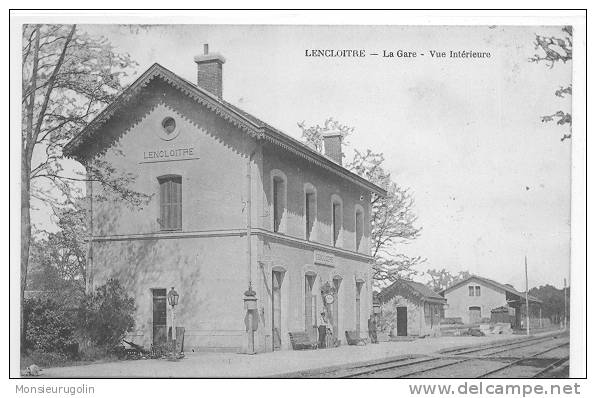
point(233, 202)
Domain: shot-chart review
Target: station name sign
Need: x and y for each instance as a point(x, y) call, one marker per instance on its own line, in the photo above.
point(324, 258)
point(169, 154)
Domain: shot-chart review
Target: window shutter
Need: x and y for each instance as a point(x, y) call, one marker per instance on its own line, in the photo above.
point(170, 202)
point(163, 204)
point(179, 203)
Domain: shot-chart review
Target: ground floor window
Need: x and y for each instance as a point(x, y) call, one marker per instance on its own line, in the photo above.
point(277, 278)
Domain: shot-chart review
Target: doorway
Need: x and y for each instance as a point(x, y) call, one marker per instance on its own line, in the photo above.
point(310, 307)
point(160, 335)
point(358, 306)
point(276, 280)
point(335, 314)
point(474, 314)
point(402, 321)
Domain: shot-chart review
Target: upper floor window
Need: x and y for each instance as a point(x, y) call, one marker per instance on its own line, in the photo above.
point(278, 183)
point(474, 290)
point(336, 219)
point(310, 211)
point(170, 202)
point(359, 227)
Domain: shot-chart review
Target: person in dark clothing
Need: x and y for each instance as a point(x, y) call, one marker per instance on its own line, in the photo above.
point(372, 329)
point(323, 331)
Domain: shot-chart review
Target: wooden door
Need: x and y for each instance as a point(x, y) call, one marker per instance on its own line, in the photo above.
point(402, 321)
point(474, 314)
point(310, 315)
point(159, 317)
point(276, 307)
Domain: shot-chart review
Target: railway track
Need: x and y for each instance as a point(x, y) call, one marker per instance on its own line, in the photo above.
point(533, 357)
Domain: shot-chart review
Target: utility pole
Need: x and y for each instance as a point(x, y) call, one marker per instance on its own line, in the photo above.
point(565, 305)
point(527, 303)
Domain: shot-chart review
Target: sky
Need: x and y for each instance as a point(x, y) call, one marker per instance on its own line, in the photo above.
point(490, 180)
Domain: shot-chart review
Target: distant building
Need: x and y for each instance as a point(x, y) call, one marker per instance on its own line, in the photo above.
point(415, 307)
point(473, 299)
point(234, 202)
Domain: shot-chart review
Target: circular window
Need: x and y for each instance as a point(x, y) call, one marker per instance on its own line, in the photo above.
point(169, 125)
point(169, 128)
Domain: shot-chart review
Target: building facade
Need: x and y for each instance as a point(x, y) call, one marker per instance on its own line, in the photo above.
point(473, 299)
point(412, 309)
point(233, 204)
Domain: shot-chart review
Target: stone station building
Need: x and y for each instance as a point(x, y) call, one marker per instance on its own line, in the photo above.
point(234, 203)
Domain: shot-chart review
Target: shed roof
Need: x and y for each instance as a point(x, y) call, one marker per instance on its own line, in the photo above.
point(408, 288)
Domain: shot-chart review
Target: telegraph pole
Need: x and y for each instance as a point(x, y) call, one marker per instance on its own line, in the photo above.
point(565, 305)
point(527, 303)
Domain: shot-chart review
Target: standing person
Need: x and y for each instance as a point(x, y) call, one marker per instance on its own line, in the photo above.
point(323, 331)
point(372, 329)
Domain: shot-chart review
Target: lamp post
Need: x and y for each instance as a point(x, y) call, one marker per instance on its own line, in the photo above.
point(173, 301)
point(251, 319)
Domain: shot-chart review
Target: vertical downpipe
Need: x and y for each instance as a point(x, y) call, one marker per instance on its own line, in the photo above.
point(249, 220)
point(251, 333)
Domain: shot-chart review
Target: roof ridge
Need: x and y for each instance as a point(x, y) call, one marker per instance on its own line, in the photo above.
point(249, 123)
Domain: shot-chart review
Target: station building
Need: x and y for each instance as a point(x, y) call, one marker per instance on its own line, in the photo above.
point(472, 300)
point(233, 203)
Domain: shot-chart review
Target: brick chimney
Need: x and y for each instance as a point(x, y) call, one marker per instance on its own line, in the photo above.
point(209, 71)
point(332, 146)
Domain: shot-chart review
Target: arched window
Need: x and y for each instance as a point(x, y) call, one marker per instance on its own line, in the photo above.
point(359, 226)
point(336, 220)
point(310, 211)
point(170, 202)
point(278, 194)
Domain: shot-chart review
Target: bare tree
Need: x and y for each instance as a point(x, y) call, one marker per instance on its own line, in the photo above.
point(393, 218)
point(551, 51)
point(442, 279)
point(68, 76)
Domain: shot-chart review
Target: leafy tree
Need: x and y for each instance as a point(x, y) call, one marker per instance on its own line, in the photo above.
point(68, 76)
point(107, 315)
point(553, 301)
point(442, 279)
point(50, 327)
point(393, 218)
point(58, 260)
point(552, 50)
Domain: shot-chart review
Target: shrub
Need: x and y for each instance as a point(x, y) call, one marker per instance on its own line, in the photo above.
point(44, 359)
point(107, 315)
point(48, 327)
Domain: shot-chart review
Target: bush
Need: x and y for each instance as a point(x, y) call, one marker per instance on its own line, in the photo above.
point(44, 359)
point(48, 327)
point(106, 316)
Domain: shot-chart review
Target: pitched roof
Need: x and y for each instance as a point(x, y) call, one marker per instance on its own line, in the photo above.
point(246, 122)
point(410, 288)
point(493, 283)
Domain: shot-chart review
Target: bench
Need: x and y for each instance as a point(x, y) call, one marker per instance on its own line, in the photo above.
point(353, 339)
point(302, 341)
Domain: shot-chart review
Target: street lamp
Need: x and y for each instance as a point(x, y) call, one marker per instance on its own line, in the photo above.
point(173, 301)
point(251, 319)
